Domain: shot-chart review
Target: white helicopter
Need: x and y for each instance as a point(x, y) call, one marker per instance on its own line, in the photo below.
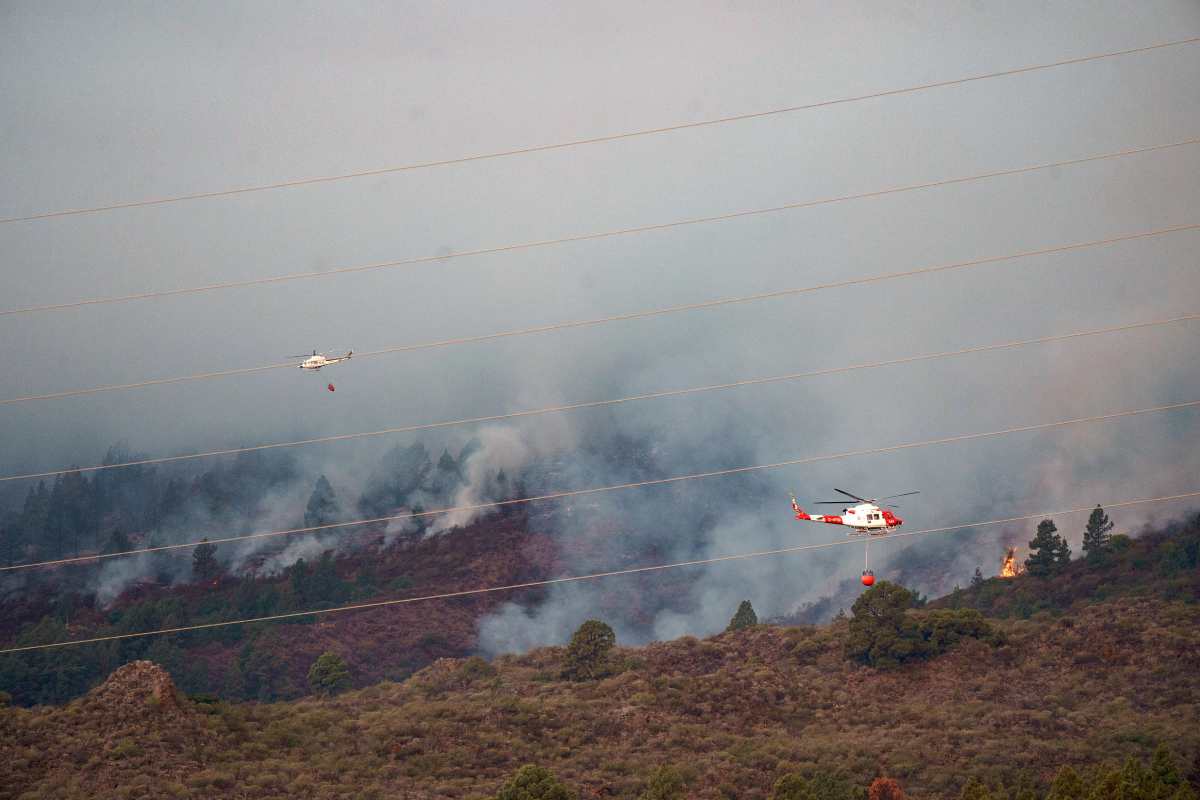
point(318, 360)
point(866, 518)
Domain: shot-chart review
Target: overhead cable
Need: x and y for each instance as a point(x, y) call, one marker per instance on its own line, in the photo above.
point(965, 437)
point(626, 317)
point(342, 437)
point(542, 148)
point(594, 576)
point(584, 237)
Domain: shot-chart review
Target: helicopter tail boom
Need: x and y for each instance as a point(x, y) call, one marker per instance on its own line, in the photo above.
point(804, 516)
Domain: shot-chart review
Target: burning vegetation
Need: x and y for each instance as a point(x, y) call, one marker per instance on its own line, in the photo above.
point(1010, 568)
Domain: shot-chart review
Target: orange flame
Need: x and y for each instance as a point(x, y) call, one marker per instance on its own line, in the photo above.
point(1010, 568)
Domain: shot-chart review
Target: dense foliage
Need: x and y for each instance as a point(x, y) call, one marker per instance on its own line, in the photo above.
point(532, 782)
point(1049, 553)
point(1097, 536)
point(883, 634)
point(823, 786)
point(589, 653)
point(329, 674)
point(743, 618)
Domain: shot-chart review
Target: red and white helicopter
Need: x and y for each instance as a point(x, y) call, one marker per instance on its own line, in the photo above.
point(318, 360)
point(866, 518)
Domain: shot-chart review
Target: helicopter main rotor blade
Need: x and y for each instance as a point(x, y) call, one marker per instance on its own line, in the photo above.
point(829, 502)
point(856, 497)
point(902, 494)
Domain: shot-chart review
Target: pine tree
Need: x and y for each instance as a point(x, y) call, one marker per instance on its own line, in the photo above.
point(171, 502)
point(329, 674)
point(977, 578)
point(532, 782)
point(298, 578)
point(324, 585)
point(1105, 784)
point(1096, 536)
point(205, 566)
point(588, 653)
point(1067, 785)
point(323, 507)
point(1049, 553)
point(447, 477)
point(1137, 783)
point(118, 542)
point(35, 517)
point(70, 518)
point(744, 618)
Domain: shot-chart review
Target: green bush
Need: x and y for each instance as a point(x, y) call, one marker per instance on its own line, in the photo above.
point(882, 634)
point(975, 790)
point(1067, 785)
point(792, 787)
point(665, 783)
point(329, 674)
point(588, 653)
point(532, 782)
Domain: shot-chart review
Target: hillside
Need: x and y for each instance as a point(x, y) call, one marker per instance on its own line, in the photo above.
point(734, 712)
point(270, 661)
point(1160, 563)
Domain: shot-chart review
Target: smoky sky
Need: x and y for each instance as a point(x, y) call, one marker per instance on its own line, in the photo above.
point(111, 103)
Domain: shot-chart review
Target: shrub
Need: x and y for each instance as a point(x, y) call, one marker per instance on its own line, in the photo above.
point(1067, 785)
point(329, 674)
point(792, 787)
point(975, 790)
point(665, 783)
point(475, 668)
point(532, 782)
point(125, 748)
point(885, 789)
point(588, 653)
point(943, 628)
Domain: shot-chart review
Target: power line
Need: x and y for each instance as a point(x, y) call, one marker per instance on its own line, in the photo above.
point(618, 487)
point(584, 237)
point(594, 576)
point(592, 140)
point(657, 312)
point(619, 400)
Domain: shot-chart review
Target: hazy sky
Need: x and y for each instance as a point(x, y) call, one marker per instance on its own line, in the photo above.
point(113, 102)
